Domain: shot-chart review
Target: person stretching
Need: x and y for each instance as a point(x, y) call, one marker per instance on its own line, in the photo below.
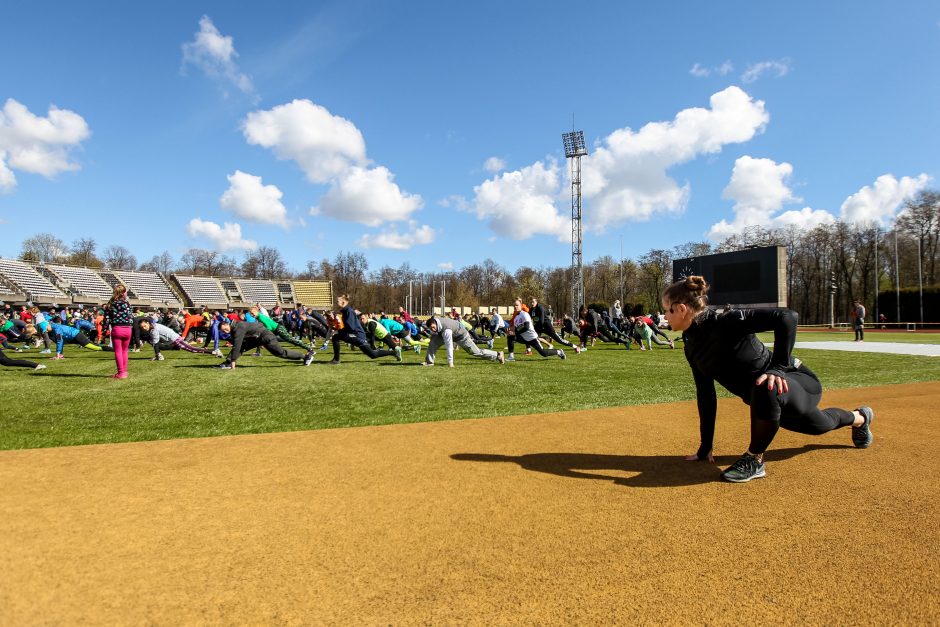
point(19, 363)
point(63, 333)
point(524, 332)
point(350, 331)
point(781, 390)
point(247, 335)
point(156, 333)
point(447, 332)
point(542, 323)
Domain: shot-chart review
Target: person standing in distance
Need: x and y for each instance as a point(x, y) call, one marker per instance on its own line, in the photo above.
point(119, 316)
point(780, 390)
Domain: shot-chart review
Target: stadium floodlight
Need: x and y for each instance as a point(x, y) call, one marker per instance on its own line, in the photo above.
point(574, 144)
point(574, 150)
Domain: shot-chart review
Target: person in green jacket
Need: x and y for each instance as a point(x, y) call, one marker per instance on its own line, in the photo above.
point(279, 330)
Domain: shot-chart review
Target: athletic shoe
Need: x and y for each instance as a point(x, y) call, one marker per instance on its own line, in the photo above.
point(577, 349)
point(118, 376)
point(217, 353)
point(861, 436)
point(398, 353)
point(308, 358)
point(59, 357)
point(135, 350)
point(333, 362)
point(225, 366)
point(417, 349)
point(489, 343)
point(40, 367)
point(745, 469)
point(159, 357)
point(561, 354)
point(672, 344)
point(510, 357)
point(500, 357)
point(528, 351)
point(45, 351)
point(256, 354)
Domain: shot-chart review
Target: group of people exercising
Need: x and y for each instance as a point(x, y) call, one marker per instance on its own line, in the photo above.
point(719, 347)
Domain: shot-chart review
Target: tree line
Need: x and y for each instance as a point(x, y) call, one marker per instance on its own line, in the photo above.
point(855, 261)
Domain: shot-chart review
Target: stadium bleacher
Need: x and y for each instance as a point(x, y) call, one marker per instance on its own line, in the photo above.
point(285, 292)
point(201, 290)
point(32, 284)
point(82, 281)
point(257, 291)
point(147, 286)
point(230, 287)
point(314, 293)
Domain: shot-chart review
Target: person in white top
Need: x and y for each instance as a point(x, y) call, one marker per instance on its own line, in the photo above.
point(523, 331)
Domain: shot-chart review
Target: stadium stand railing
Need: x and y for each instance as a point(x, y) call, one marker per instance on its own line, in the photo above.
point(230, 287)
point(257, 291)
point(30, 282)
point(285, 292)
point(317, 294)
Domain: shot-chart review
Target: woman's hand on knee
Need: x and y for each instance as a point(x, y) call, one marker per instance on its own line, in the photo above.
point(774, 381)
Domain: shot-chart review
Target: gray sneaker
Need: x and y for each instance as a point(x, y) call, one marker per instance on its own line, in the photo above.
point(308, 358)
point(561, 354)
point(398, 353)
point(745, 469)
point(861, 436)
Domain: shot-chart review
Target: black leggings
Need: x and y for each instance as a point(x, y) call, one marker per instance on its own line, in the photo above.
point(859, 329)
point(797, 410)
point(21, 363)
point(370, 352)
point(544, 352)
point(549, 331)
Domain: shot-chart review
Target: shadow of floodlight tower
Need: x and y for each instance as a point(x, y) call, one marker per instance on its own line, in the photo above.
point(574, 150)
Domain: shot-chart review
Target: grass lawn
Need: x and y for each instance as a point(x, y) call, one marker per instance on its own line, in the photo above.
point(75, 402)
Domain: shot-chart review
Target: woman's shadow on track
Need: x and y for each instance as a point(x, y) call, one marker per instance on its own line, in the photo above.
point(649, 471)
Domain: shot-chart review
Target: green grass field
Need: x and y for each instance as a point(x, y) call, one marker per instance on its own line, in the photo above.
point(75, 402)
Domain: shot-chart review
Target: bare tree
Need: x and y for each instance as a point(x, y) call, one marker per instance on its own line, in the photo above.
point(207, 263)
point(159, 263)
point(43, 247)
point(119, 258)
point(82, 253)
point(264, 263)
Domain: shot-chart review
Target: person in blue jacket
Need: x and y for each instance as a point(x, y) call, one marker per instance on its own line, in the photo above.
point(63, 333)
point(352, 333)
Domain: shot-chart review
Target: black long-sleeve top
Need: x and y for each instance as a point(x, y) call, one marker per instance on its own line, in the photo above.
point(724, 348)
point(538, 315)
point(241, 331)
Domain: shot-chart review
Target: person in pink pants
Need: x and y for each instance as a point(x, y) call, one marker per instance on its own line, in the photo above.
point(119, 315)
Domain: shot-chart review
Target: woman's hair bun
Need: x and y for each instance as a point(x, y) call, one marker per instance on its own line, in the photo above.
point(696, 284)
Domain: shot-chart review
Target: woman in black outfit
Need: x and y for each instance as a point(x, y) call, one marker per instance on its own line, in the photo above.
point(780, 390)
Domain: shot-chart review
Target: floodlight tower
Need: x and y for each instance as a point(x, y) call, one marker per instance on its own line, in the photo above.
point(574, 150)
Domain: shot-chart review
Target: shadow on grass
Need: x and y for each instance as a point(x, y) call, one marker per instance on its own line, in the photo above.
point(652, 471)
point(403, 363)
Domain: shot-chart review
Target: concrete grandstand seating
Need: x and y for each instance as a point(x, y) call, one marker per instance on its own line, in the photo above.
point(83, 281)
point(230, 287)
point(317, 294)
point(32, 284)
point(147, 286)
point(256, 291)
point(202, 290)
point(285, 292)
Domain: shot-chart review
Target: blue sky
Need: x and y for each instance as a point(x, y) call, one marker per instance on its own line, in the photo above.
point(430, 132)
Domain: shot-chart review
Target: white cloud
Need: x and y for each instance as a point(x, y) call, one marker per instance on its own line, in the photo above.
point(37, 145)
point(367, 196)
point(322, 144)
point(446, 265)
point(248, 198)
point(521, 204)
point(215, 55)
point(494, 164)
point(223, 238)
point(626, 177)
point(759, 189)
point(700, 71)
point(881, 201)
point(754, 71)
point(455, 201)
point(399, 241)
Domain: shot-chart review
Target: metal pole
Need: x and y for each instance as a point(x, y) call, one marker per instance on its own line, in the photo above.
point(621, 270)
point(897, 274)
point(920, 282)
point(877, 273)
